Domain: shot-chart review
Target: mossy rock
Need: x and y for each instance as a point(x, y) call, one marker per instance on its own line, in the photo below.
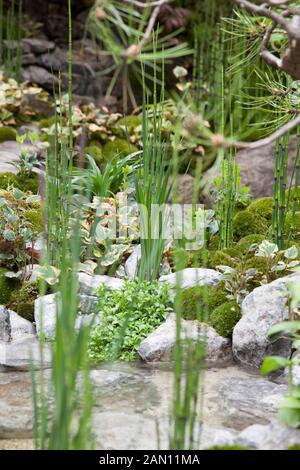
point(7, 287)
point(127, 125)
point(23, 301)
point(7, 179)
point(246, 223)
point(30, 183)
point(197, 303)
point(252, 239)
point(117, 148)
point(225, 317)
point(7, 133)
point(182, 258)
point(214, 242)
point(46, 122)
point(292, 226)
point(35, 217)
point(95, 152)
point(262, 207)
point(294, 447)
point(94, 143)
point(219, 257)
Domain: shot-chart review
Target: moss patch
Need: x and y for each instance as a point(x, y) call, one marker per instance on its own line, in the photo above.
point(95, 152)
point(246, 223)
point(7, 287)
point(262, 207)
point(225, 317)
point(7, 133)
point(117, 148)
point(23, 301)
point(197, 303)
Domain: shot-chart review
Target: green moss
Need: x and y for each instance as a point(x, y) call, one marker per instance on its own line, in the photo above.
point(294, 198)
point(292, 226)
point(294, 447)
point(219, 257)
point(47, 122)
point(95, 152)
point(23, 301)
point(31, 183)
point(182, 258)
point(245, 242)
point(94, 143)
point(214, 242)
point(246, 223)
point(197, 303)
point(128, 124)
point(35, 217)
point(7, 179)
point(263, 207)
point(225, 317)
point(7, 286)
point(7, 133)
point(117, 147)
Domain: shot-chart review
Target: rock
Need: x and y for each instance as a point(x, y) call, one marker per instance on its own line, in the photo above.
point(256, 169)
point(117, 430)
point(87, 320)
point(21, 353)
point(111, 379)
point(5, 331)
point(184, 190)
point(45, 308)
point(273, 436)
point(263, 308)
point(40, 76)
point(243, 401)
point(89, 285)
point(159, 345)
point(37, 46)
point(19, 327)
point(12, 326)
point(131, 265)
point(52, 61)
point(191, 277)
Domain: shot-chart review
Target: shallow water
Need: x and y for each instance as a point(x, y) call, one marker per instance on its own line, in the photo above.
point(120, 391)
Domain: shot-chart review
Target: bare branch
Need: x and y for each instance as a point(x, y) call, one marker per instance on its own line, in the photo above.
point(267, 140)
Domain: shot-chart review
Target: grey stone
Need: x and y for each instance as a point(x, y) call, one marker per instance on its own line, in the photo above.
point(39, 75)
point(263, 308)
point(88, 285)
point(5, 331)
point(45, 309)
point(21, 353)
point(244, 401)
point(273, 436)
point(131, 264)
point(52, 61)
point(159, 345)
point(191, 277)
point(20, 327)
point(37, 46)
point(184, 189)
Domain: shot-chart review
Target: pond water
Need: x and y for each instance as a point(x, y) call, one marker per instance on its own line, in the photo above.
point(130, 399)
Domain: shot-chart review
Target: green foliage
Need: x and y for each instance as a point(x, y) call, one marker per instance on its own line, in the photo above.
point(46, 122)
point(277, 262)
point(30, 183)
point(293, 197)
point(128, 315)
point(7, 133)
point(35, 217)
point(229, 447)
point(117, 148)
point(7, 179)
point(225, 317)
point(292, 226)
point(294, 447)
point(128, 124)
point(221, 257)
point(245, 223)
point(23, 300)
point(263, 207)
point(7, 287)
point(246, 242)
point(197, 303)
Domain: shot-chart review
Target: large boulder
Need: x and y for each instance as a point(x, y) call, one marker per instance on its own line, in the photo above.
point(159, 345)
point(12, 326)
point(131, 264)
point(263, 308)
point(191, 277)
point(23, 353)
point(273, 436)
point(243, 401)
point(89, 285)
